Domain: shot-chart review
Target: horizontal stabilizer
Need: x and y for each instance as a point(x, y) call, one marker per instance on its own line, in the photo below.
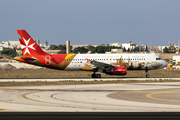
point(27, 58)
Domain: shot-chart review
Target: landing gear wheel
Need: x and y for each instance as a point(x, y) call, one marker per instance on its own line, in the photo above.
point(98, 75)
point(93, 75)
point(147, 76)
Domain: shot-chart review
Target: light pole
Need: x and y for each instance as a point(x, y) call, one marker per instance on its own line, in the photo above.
point(130, 44)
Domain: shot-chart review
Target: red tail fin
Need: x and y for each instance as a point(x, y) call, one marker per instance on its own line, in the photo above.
point(28, 45)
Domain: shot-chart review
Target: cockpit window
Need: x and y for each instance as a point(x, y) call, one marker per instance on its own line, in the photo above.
point(158, 59)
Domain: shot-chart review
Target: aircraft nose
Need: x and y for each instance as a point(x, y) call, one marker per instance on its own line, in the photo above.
point(164, 64)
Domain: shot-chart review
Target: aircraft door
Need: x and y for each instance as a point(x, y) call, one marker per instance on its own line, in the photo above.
point(47, 59)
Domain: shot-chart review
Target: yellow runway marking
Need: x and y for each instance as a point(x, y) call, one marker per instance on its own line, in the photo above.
point(3, 110)
point(24, 96)
point(155, 94)
point(140, 91)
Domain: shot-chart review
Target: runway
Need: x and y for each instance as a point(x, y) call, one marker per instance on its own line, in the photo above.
point(83, 79)
point(129, 97)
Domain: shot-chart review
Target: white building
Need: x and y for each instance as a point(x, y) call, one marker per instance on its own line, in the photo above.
point(15, 44)
point(128, 46)
point(44, 46)
point(115, 44)
point(5, 44)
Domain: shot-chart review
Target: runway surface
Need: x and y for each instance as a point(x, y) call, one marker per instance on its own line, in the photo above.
point(129, 97)
point(84, 79)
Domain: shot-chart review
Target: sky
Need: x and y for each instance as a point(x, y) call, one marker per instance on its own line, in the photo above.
point(95, 22)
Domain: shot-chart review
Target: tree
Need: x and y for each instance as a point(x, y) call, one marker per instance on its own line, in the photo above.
point(9, 52)
point(53, 47)
point(90, 47)
point(80, 50)
point(166, 50)
point(136, 49)
point(98, 49)
point(124, 49)
point(59, 47)
point(147, 49)
point(103, 49)
point(172, 49)
point(62, 47)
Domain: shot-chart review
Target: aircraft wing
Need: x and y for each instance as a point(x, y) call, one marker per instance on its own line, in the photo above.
point(101, 65)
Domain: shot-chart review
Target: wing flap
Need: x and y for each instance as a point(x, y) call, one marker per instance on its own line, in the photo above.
point(100, 65)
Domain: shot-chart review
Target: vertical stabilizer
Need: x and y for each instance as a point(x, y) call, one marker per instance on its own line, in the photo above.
point(28, 45)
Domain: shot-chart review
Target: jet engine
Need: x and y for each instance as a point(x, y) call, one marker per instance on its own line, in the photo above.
point(117, 70)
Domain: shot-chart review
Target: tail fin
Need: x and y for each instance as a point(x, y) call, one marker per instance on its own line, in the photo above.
point(28, 45)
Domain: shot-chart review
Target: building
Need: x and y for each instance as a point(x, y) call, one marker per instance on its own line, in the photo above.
point(115, 44)
point(116, 51)
point(51, 51)
point(128, 46)
point(15, 44)
point(5, 44)
point(45, 46)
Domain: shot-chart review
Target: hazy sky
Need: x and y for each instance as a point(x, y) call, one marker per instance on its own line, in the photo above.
point(152, 22)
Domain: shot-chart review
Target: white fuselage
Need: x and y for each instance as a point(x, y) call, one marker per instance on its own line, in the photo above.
point(131, 61)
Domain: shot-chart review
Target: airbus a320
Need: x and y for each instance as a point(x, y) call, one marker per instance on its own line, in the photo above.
point(111, 64)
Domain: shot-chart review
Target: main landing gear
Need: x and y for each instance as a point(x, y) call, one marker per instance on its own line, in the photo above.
point(147, 75)
point(94, 75)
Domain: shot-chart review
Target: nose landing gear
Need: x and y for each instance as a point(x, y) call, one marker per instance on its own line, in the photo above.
point(147, 75)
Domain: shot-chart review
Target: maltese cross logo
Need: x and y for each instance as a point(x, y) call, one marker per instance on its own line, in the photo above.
point(88, 60)
point(27, 46)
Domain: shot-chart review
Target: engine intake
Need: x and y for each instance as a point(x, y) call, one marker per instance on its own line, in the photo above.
point(117, 70)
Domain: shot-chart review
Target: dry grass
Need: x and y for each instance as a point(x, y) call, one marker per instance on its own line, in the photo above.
point(39, 83)
point(49, 73)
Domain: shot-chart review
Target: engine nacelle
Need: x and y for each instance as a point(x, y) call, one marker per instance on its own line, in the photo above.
point(117, 70)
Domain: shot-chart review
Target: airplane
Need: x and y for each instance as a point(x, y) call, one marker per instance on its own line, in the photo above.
point(111, 64)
